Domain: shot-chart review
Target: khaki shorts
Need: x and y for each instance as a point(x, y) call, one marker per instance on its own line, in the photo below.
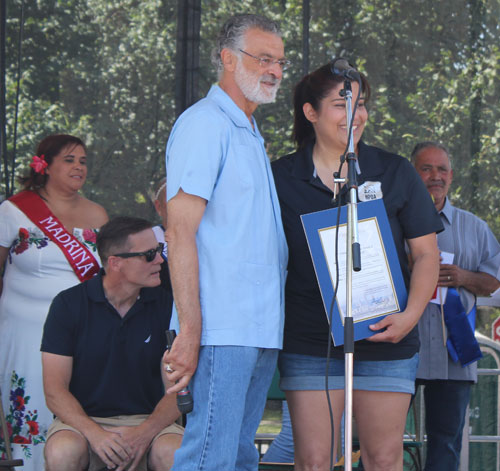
point(96, 464)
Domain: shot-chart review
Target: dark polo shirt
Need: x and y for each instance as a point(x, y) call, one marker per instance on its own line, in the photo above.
point(411, 214)
point(116, 361)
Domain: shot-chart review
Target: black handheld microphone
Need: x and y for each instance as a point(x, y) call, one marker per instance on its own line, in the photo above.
point(341, 67)
point(184, 398)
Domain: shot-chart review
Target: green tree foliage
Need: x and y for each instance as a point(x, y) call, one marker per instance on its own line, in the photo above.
point(106, 71)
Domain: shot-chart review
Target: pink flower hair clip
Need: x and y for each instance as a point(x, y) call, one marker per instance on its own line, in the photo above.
point(39, 165)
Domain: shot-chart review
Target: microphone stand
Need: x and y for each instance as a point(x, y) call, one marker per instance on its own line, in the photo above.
point(353, 262)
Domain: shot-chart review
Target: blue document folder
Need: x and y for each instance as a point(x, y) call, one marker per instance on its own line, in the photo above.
point(378, 289)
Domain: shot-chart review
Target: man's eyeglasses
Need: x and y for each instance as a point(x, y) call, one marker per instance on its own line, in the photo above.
point(266, 62)
point(148, 254)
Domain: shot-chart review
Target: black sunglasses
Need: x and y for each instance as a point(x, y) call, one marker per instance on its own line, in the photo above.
point(148, 254)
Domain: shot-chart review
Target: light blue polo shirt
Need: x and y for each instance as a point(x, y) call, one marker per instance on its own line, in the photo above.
point(214, 153)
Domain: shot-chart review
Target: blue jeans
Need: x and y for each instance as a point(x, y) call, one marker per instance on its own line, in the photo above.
point(445, 405)
point(229, 391)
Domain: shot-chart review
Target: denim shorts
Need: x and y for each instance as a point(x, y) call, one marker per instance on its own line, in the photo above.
point(307, 373)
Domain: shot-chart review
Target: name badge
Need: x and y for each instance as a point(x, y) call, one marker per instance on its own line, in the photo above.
point(370, 191)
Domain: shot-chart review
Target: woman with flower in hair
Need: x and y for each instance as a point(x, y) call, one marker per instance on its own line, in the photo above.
point(47, 244)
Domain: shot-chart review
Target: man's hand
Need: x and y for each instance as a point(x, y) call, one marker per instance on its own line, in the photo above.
point(451, 275)
point(181, 361)
point(136, 440)
point(397, 326)
point(477, 282)
point(113, 450)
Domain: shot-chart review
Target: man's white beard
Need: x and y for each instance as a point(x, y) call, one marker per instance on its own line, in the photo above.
point(250, 85)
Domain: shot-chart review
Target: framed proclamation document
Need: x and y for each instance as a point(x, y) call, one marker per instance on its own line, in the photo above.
point(378, 289)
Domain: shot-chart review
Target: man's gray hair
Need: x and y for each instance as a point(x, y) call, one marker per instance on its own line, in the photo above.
point(231, 34)
point(428, 144)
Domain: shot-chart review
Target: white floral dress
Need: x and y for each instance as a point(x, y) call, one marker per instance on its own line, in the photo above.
point(35, 271)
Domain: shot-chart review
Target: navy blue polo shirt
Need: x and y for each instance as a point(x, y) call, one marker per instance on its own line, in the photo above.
point(116, 361)
point(411, 214)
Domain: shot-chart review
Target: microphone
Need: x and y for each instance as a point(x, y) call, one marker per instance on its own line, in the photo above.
point(341, 67)
point(184, 398)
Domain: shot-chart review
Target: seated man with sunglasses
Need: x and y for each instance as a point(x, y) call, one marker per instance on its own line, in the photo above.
point(102, 345)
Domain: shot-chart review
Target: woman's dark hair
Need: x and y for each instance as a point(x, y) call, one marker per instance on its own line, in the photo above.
point(49, 147)
point(113, 236)
point(312, 89)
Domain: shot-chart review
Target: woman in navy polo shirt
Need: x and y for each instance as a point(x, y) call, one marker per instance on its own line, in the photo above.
point(385, 364)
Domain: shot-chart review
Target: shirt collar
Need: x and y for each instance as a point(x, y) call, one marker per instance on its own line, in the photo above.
point(235, 113)
point(370, 161)
point(303, 167)
point(95, 290)
point(447, 211)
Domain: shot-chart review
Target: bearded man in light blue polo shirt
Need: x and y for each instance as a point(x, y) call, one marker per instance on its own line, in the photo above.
point(227, 252)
